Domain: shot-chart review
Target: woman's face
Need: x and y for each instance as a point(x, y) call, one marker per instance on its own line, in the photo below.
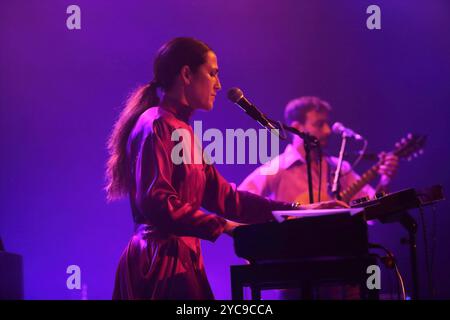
point(202, 89)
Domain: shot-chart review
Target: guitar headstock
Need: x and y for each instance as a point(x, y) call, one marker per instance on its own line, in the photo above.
point(410, 147)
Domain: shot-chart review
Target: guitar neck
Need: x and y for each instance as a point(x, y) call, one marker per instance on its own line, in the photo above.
point(356, 186)
point(408, 147)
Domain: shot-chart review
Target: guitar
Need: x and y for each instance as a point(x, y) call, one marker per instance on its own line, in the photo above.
point(408, 148)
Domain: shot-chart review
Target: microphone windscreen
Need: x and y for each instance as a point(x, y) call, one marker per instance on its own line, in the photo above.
point(337, 127)
point(235, 94)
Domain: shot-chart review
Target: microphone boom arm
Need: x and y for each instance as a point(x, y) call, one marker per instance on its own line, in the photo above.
point(309, 142)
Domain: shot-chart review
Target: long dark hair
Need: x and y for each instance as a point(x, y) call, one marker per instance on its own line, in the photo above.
point(171, 57)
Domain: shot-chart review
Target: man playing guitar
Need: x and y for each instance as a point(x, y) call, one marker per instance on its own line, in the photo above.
point(290, 183)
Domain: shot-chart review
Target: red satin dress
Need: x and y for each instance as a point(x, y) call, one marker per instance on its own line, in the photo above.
point(163, 259)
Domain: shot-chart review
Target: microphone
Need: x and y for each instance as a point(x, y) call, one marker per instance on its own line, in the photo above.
point(339, 128)
point(236, 96)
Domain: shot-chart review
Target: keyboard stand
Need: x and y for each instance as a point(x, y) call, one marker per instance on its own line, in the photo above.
point(303, 274)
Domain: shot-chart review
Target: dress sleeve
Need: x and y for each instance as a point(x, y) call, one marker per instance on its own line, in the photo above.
point(255, 183)
point(157, 198)
point(223, 198)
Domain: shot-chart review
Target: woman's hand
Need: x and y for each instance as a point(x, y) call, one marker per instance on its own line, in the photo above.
point(230, 226)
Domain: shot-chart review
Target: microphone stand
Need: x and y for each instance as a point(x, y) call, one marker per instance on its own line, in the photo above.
point(309, 142)
point(335, 189)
